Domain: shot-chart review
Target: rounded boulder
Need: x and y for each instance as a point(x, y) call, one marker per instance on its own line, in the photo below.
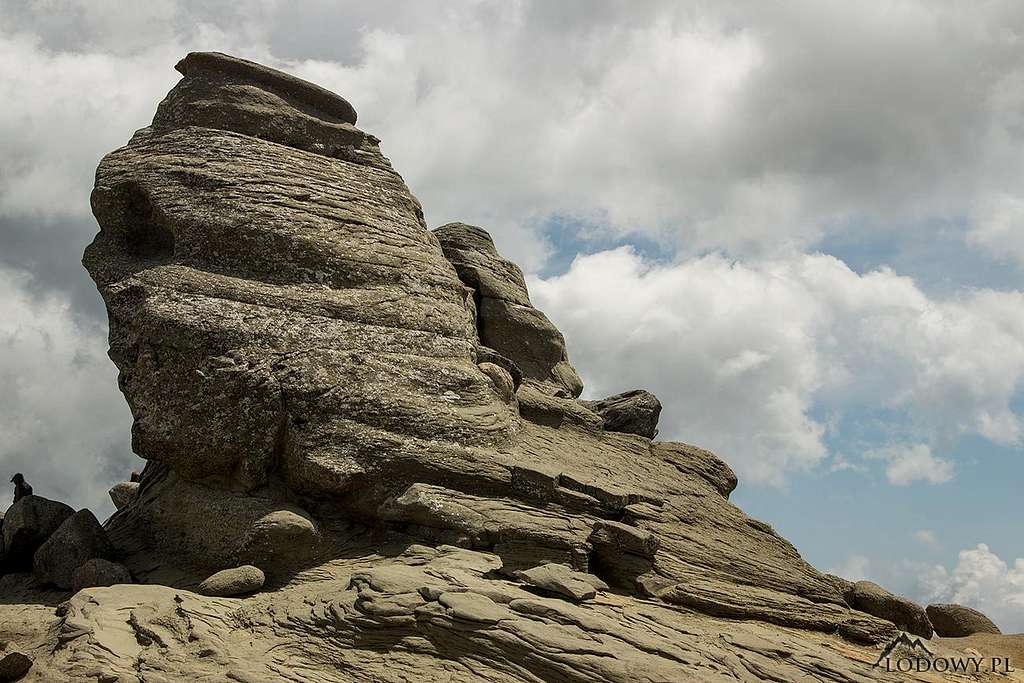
point(231, 582)
point(905, 614)
point(957, 621)
point(27, 525)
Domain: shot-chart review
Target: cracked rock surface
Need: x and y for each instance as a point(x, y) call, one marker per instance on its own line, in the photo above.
point(376, 418)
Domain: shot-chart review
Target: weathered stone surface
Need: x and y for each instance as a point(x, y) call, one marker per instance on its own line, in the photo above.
point(905, 614)
point(231, 582)
point(27, 525)
point(14, 665)
point(702, 463)
point(844, 586)
point(305, 361)
point(99, 572)
point(633, 412)
point(957, 621)
point(210, 528)
point(430, 614)
point(123, 493)
point(78, 539)
point(562, 580)
point(502, 381)
point(506, 320)
point(485, 354)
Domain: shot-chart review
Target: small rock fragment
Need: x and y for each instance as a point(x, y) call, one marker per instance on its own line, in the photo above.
point(624, 538)
point(632, 412)
point(472, 607)
point(123, 493)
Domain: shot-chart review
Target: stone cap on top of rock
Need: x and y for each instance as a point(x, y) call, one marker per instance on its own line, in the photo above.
point(326, 103)
point(220, 92)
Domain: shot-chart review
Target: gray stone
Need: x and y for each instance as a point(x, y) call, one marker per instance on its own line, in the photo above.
point(99, 572)
point(502, 381)
point(957, 621)
point(844, 586)
point(699, 462)
point(14, 665)
point(485, 354)
point(27, 525)
point(287, 330)
point(123, 493)
point(232, 582)
point(78, 539)
point(624, 538)
point(506, 320)
point(905, 614)
point(633, 412)
point(562, 580)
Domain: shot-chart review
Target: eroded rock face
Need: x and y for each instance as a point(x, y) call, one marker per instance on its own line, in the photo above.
point(278, 311)
point(304, 359)
point(506, 320)
point(429, 614)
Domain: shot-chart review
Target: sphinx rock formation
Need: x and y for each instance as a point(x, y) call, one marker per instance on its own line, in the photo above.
point(375, 417)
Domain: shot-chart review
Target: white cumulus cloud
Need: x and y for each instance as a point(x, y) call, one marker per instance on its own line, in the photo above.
point(982, 580)
point(908, 464)
point(740, 353)
point(853, 568)
point(63, 421)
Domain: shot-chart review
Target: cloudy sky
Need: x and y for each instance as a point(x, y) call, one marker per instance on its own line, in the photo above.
point(801, 224)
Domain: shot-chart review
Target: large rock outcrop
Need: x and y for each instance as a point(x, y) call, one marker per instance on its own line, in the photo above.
point(375, 417)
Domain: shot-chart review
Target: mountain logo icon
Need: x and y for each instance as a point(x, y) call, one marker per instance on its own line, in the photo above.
point(913, 644)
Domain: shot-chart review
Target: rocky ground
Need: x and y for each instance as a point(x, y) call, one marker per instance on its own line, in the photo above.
point(368, 459)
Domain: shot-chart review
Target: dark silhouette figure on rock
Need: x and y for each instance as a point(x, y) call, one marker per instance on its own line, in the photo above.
point(21, 487)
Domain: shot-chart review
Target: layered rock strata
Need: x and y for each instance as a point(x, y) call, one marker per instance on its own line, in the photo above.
point(313, 373)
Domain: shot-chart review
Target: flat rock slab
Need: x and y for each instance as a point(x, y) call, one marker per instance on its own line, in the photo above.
point(563, 581)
